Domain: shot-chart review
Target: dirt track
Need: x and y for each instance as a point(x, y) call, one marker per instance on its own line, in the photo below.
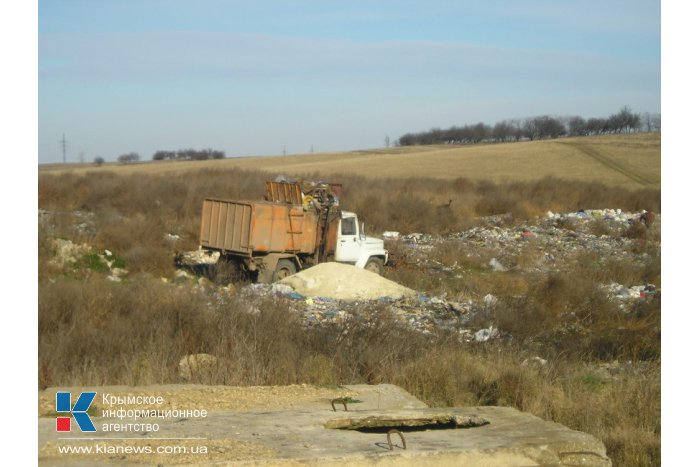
point(521, 161)
point(611, 163)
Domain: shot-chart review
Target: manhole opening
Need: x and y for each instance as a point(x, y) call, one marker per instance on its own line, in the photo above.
point(376, 424)
point(409, 428)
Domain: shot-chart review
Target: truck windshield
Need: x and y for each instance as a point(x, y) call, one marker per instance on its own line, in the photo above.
point(347, 226)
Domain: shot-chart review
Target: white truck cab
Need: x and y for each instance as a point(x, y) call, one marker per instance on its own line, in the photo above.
point(354, 247)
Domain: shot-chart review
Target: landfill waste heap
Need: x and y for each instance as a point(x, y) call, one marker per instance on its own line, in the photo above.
point(332, 293)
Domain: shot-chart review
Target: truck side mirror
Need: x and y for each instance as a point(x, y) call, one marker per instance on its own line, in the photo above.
point(362, 231)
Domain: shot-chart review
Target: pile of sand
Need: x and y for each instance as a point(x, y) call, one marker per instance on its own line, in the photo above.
point(344, 282)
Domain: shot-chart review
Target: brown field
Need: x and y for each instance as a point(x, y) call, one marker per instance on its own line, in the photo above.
point(603, 370)
point(629, 161)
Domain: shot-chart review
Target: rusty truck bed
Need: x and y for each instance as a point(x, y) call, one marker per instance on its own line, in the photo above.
point(249, 227)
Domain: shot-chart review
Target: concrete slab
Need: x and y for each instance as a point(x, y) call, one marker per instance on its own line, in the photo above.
point(300, 436)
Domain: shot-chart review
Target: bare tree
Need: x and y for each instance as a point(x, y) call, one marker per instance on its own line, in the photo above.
point(530, 129)
point(129, 158)
point(577, 126)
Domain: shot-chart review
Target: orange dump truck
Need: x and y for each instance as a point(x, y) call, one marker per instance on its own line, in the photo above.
point(297, 226)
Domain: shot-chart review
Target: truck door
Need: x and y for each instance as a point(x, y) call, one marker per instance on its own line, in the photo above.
point(348, 247)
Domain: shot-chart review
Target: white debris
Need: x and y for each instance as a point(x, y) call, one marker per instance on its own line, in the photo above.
point(390, 235)
point(483, 335)
point(283, 289)
point(489, 300)
point(416, 236)
point(614, 215)
point(181, 275)
point(344, 282)
point(534, 361)
point(203, 282)
point(496, 265)
point(68, 252)
point(191, 258)
point(621, 292)
point(119, 272)
point(171, 237)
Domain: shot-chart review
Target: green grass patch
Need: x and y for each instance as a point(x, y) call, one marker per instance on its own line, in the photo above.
point(93, 262)
point(592, 381)
point(117, 261)
point(349, 400)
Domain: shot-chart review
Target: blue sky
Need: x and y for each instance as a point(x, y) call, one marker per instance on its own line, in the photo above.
point(252, 78)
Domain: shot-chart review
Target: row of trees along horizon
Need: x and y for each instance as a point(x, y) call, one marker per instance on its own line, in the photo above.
point(541, 127)
point(180, 155)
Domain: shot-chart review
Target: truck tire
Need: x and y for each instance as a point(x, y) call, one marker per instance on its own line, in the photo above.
point(375, 265)
point(284, 269)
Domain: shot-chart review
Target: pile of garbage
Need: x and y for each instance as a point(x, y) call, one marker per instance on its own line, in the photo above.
point(81, 222)
point(627, 296)
point(197, 258)
point(333, 293)
point(74, 256)
point(415, 311)
point(609, 215)
point(547, 235)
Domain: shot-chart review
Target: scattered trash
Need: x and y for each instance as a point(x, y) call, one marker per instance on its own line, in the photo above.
point(68, 253)
point(557, 242)
point(390, 235)
point(628, 295)
point(182, 276)
point(197, 257)
point(484, 335)
point(496, 265)
point(119, 272)
point(532, 361)
point(333, 293)
point(282, 289)
point(489, 300)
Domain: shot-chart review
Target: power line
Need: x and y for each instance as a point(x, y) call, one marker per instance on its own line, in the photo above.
point(63, 147)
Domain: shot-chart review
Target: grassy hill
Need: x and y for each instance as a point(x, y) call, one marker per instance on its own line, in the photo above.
point(630, 161)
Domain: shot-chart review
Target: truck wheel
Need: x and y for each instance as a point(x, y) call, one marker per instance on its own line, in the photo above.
point(284, 269)
point(375, 265)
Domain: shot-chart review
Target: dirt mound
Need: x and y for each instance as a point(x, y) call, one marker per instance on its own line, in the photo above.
point(344, 282)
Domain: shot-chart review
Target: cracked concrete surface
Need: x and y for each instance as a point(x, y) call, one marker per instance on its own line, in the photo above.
point(297, 435)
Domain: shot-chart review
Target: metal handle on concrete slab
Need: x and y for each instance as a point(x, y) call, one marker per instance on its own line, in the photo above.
point(339, 400)
point(388, 438)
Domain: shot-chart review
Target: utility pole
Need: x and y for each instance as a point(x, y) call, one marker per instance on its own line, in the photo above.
point(63, 147)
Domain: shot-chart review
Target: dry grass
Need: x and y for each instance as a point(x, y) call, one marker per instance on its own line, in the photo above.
point(94, 332)
point(97, 333)
point(526, 161)
point(136, 211)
